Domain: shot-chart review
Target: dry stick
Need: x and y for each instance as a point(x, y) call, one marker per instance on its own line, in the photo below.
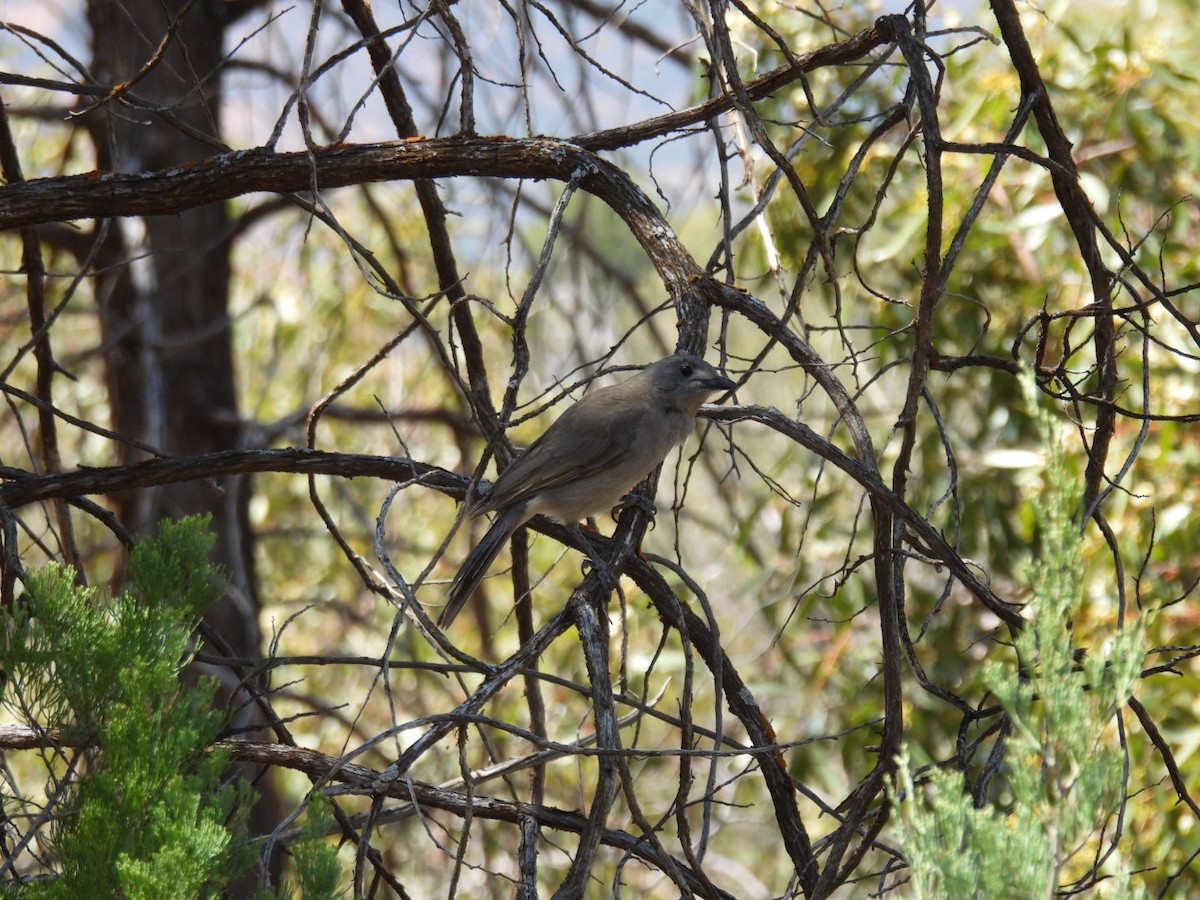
point(362, 839)
point(248, 676)
point(434, 211)
point(739, 697)
point(81, 424)
point(1164, 748)
point(497, 677)
point(1075, 206)
point(840, 52)
point(310, 434)
point(425, 795)
point(21, 488)
point(466, 70)
point(883, 503)
point(595, 641)
point(594, 589)
point(723, 49)
point(228, 175)
point(594, 638)
point(890, 584)
point(527, 853)
point(150, 65)
point(914, 54)
point(35, 291)
point(888, 533)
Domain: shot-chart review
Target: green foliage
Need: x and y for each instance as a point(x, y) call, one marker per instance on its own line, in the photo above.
point(318, 870)
point(1064, 770)
point(146, 814)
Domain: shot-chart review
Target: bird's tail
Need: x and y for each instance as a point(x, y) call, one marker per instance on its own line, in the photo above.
point(479, 560)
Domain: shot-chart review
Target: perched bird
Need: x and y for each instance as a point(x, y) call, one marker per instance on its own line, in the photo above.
point(591, 456)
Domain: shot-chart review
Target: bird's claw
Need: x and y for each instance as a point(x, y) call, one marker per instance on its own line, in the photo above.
point(640, 501)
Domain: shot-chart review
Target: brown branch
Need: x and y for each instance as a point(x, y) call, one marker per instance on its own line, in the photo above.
point(594, 638)
point(839, 53)
point(432, 208)
point(934, 543)
point(1078, 209)
point(34, 269)
point(887, 537)
point(228, 175)
point(744, 706)
point(21, 488)
point(1168, 757)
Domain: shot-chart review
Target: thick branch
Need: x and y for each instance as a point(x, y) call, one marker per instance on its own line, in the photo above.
point(227, 175)
point(22, 488)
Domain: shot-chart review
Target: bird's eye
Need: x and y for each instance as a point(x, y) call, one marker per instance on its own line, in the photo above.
point(686, 370)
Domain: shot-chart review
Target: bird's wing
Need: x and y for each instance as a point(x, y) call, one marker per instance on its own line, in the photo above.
point(590, 437)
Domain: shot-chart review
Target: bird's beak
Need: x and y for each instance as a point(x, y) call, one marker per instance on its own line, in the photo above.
point(719, 383)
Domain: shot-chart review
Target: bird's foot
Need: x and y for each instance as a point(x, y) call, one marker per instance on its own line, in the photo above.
point(640, 501)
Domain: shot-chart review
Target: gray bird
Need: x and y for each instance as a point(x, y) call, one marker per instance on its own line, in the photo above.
point(590, 458)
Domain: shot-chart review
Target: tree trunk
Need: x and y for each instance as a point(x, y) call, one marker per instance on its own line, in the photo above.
point(163, 290)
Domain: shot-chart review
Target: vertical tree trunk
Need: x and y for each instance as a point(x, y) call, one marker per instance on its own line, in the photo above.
point(164, 304)
point(163, 287)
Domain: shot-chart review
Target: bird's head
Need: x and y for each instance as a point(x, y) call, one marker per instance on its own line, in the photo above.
point(684, 382)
